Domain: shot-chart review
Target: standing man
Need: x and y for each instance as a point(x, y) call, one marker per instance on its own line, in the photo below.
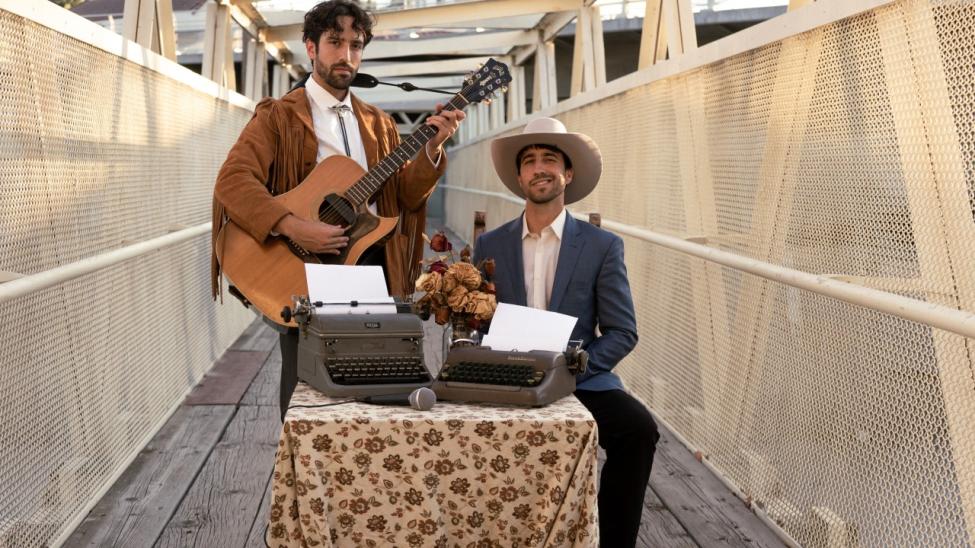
point(546, 259)
point(288, 137)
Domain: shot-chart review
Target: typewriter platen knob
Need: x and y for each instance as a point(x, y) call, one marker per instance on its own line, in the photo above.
point(576, 359)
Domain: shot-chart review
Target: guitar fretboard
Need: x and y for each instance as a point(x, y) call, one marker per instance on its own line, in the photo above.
point(408, 148)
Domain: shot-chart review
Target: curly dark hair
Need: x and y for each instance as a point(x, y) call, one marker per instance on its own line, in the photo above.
point(324, 17)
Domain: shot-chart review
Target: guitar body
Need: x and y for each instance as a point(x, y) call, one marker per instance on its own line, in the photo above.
point(269, 273)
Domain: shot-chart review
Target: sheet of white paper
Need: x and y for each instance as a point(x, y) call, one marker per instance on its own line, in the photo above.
point(361, 309)
point(340, 285)
point(522, 328)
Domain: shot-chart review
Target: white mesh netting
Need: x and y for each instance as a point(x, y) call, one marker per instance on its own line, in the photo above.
point(847, 150)
point(97, 152)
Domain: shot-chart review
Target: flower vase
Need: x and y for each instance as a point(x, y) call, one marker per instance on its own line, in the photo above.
point(460, 334)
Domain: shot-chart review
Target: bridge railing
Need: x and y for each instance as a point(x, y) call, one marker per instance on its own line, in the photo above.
point(107, 159)
point(817, 160)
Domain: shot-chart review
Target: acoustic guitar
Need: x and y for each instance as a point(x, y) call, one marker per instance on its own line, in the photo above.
point(336, 192)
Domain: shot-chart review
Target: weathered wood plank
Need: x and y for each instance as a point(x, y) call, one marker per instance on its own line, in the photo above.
point(228, 379)
point(258, 336)
point(659, 527)
point(256, 538)
point(220, 508)
point(137, 507)
point(703, 505)
point(265, 388)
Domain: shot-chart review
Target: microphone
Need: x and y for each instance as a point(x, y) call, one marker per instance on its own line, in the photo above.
point(363, 80)
point(421, 399)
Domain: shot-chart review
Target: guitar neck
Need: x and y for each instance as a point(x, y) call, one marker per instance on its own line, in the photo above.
point(373, 180)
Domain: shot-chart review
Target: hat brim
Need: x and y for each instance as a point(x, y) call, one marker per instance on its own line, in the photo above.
point(587, 162)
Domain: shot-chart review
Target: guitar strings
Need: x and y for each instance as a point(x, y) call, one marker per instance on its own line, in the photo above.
point(360, 194)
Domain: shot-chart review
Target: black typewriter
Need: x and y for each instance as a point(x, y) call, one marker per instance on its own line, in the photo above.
point(358, 355)
point(535, 378)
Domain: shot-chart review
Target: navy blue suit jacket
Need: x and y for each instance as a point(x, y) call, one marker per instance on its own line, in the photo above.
point(590, 284)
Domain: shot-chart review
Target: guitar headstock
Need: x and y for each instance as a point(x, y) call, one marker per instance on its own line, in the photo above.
point(490, 79)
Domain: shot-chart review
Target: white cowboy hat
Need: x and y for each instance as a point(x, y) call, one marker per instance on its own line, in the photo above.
point(587, 162)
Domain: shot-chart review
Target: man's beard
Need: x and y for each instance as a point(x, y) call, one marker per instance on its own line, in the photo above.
point(547, 197)
point(332, 79)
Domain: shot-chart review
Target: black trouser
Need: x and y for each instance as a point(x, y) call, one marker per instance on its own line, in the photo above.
point(629, 435)
point(374, 256)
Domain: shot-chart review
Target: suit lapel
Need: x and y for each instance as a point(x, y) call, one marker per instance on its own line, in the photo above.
point(514, 256)
point(569, 252)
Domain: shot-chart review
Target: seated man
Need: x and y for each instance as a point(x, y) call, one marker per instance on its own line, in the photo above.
point(546, 259)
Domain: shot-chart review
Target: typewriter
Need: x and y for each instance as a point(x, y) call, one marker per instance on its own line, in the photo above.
point(358, 355)
point(531, 379)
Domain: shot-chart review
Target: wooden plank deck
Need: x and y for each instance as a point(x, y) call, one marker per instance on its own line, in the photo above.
point(203, 481)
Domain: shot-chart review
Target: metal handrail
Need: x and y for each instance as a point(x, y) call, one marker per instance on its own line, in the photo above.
point(936, 315)
point(42, 280)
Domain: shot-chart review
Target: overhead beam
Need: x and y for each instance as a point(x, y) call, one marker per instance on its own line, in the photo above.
point(149, 23)
point(681, 33)
point(164, 25)
point(255, 68)
point(653, 44)
point(218, 54)
point(388, 49)
point(448, 14)
point(549, 27)
point(583, 75)
point(246, 15)
point(544, 82)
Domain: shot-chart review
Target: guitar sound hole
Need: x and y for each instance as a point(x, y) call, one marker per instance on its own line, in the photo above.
point(336, 210)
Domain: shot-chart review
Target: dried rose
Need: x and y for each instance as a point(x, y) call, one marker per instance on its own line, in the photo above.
point(438, 299)
point(441, 315)
point(458, 299)
point(422, 310)
point(481, 305)
point(464, 274)
point(488, 265)
point(440, 243)
point(465, 254)
point(431, 282)
point(449, 282)
point(438, 266)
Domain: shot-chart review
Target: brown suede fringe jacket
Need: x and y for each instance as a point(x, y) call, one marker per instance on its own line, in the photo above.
point(278, 149)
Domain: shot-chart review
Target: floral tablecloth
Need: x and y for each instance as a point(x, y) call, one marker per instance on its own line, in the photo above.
point(458, 475)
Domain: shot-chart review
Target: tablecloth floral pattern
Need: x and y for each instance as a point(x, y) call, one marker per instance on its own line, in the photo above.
point(458, 475)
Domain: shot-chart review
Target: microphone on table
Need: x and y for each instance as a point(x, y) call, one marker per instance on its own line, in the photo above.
point(421, 399)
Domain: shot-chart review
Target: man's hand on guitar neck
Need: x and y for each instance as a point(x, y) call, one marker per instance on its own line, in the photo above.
point(313, 236)
point(446, 122)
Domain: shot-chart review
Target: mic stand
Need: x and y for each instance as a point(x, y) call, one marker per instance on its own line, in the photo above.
point(406, 86)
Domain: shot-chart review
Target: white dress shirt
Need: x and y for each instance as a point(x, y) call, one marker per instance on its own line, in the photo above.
point(540, 254)
point(329, 132)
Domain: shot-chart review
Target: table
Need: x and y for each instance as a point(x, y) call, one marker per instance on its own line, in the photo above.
point(458, 475)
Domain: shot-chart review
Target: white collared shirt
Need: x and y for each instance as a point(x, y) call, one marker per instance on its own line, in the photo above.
point(329, 132)
point(540, 255)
